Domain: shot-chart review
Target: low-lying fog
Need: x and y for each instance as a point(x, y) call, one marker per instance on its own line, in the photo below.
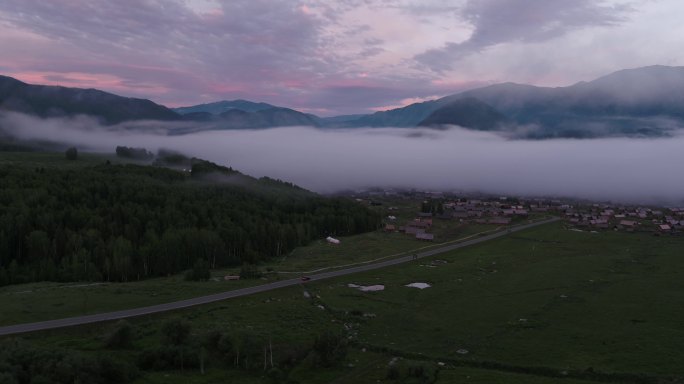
point(642, 170)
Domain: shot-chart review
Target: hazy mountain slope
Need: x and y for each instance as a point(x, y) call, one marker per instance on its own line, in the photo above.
point(644, 101)
point(409, 116)
point(48, 101)
point(340, 121)
point(239, 114)
point(468, 113)
point(219, 107)
point(272, 117)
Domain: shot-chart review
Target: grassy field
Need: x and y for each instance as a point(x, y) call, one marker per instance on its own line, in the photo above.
point(547, 297)
point(44, 301)
point(541, 306)
point(483, 376)
point(563, 306)
point(368, 247)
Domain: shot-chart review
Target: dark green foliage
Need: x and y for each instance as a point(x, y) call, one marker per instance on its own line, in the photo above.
point(393, 372)
point(434, 206)
point(175, 332)
point(410, 372)
point(199, 271)
point(201, 168)
point(24, 363)
point(121, 336)
point(416, 370)
point(276, 375)
point(329, 348)
point(249, 271)
point(169, 357)
point(167, 157)
point(129, 222)
point(71, 154)
point(134, 153)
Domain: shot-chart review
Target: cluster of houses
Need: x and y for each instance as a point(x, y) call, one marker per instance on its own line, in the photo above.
point(606, 216)
point(503, 211)
point(494, 211)
point(497, 212)
point(417, 228)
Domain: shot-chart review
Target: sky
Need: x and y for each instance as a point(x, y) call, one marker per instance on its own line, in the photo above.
point(329, 57)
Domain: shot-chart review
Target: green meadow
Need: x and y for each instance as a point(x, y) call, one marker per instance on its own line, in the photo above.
point(541, 306)
point(45, 301)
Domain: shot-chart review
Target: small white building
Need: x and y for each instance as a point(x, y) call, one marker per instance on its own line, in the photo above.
point(332, 240)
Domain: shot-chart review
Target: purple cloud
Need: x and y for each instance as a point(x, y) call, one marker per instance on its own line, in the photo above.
point(326, 57)
point(266, 44)
point(505, 21)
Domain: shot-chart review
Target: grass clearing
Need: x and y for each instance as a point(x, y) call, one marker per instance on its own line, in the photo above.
point(368, 247)
point(542, 299)
point(483, 376)
point(45, 301)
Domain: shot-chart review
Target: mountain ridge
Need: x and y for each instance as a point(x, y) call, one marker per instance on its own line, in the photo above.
point(56, 101)
point(218, 107)
point(625, 102)
point(646, 101)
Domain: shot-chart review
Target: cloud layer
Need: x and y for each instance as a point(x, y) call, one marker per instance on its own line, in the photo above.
point(455, 159)
point(532, 21)
point(329, 57)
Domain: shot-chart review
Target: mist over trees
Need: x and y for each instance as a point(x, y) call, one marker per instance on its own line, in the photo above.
point(134, 153)
point(123, 223)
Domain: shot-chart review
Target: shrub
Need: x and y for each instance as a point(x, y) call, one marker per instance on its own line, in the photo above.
point(71, 154)
point(175, 332)
point(200, 271)
point(329, 348)
point(393, 372)
point(121, 336)
point(249, 271)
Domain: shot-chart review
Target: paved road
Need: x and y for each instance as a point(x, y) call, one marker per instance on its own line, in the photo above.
point(72, 321)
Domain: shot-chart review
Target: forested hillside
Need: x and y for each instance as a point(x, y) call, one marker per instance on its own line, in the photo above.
point(127, 222)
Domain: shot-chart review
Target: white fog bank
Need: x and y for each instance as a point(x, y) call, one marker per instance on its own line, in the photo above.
point(642, 170)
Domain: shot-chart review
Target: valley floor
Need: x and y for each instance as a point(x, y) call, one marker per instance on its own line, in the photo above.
point(540, 306)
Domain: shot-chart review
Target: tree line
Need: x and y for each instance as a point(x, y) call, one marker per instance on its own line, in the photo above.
point(129, 222)
point(177, 347)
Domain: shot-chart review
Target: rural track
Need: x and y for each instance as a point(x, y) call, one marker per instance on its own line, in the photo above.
point(153, 309)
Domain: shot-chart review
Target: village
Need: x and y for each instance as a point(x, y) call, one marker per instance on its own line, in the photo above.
point(506, 211)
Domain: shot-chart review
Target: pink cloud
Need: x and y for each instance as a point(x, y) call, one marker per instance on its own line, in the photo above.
point(405, 102)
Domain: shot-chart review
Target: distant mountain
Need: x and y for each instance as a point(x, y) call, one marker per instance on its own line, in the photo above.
point(339, 121)
point(409, 116)
point(219, 107)
point(468, 112)
point(648, 91)
point(644, 101)
point(242, 114)
point(52, 101)
point(239, 119)
point(272, 117)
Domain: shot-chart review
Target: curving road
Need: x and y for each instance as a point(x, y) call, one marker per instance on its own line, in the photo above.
point(79, 320)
